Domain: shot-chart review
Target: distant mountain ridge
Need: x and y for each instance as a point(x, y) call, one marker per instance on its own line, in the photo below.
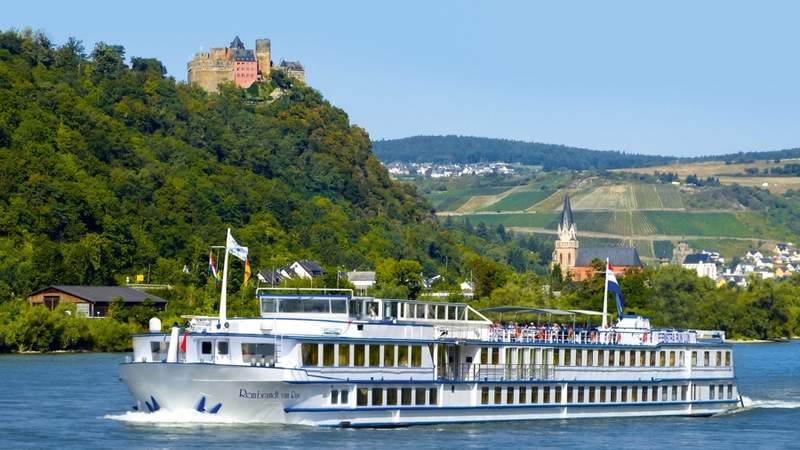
point(470, 149)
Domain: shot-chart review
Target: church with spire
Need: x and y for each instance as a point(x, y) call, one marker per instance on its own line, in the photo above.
point(576, 261)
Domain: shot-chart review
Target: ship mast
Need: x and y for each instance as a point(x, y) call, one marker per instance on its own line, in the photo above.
point(223, 298)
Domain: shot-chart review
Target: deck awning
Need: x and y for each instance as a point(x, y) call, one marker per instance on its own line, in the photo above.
point(549, 311)
point(527, 310)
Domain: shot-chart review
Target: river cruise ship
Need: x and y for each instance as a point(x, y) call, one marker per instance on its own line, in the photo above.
point(329, 358)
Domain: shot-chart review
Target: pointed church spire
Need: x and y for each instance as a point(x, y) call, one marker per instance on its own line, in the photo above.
point(566, 214)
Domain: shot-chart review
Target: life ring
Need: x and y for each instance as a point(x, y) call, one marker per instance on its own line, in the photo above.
point(644, 338)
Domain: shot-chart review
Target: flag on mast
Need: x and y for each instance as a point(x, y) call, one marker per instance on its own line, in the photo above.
point(247, 271)
point(613, 286)
point(235, 249)
point(212, 265)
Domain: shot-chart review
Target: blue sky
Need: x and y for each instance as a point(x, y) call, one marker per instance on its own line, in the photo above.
point(678, 77)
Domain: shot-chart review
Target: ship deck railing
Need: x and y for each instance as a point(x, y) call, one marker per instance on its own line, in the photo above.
point(567, 335)
point(495, 372)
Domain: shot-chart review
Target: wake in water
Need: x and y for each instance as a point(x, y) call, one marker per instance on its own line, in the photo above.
point(750, 404)
point(179, 418)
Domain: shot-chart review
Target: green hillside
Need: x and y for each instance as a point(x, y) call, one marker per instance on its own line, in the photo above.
point(108, 170)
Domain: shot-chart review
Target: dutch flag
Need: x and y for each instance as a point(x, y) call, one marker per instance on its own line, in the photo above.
point(613, 286)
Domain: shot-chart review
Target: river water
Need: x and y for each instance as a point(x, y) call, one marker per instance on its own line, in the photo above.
point(76, 401)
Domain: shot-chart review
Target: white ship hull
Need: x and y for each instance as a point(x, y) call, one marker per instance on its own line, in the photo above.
point(261, 395)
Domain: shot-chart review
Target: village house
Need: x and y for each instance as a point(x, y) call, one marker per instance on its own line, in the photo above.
point(361, 281)
point(702, 263)
point(92, 301)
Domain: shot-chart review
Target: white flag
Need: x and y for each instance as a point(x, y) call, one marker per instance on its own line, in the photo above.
point(235, 249)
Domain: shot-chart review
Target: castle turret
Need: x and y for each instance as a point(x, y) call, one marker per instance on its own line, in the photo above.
point(263, 56)
point(566, 248)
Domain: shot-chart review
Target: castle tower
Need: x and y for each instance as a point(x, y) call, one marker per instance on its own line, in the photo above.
point(566, 251)
point(263, 57)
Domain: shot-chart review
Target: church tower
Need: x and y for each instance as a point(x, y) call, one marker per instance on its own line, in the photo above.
point(566, 250)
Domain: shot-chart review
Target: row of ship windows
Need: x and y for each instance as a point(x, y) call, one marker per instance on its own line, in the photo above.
point(389, 396)
point(361, 355)
point(580, 357)
point(597, 394)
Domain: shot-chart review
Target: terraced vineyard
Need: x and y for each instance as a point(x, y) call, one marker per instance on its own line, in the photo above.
point(453, 199)
point(670, 196)
point(699, 224)
point(519, 201)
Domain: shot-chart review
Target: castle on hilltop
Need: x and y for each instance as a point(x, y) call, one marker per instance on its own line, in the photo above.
point(239, 65)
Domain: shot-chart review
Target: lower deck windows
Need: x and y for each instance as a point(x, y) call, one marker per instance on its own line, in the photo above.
point(433, 396)
point(419, 394)
point(485, 395)
point(339, 397)
point(391, 396)
point(377, 396)
point(498, 395)
point(362, 395)
point(405, 396)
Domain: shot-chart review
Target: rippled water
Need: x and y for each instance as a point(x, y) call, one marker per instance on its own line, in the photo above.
point(76, 401)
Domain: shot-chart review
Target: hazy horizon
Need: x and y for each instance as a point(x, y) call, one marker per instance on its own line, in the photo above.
point(677, 79)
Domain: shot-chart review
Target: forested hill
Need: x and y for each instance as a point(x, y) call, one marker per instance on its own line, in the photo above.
point(108, 169)
point(466, 149)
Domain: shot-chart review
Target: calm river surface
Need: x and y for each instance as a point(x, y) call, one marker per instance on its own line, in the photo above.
point(76, 401)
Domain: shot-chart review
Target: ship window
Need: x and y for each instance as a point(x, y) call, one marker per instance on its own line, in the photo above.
point(391, 396)
point(720, 391)
point(664, 394)
point(711, 392)
point(155, 348)
point(719, 359)
point(623, 355)
point(652, 358)
point(433, 396)
point(498, 395)
point(681, 358)
point(570, 395)
point(611, 355)
point(645, 393)
point(613, 391)
point(388, 355)
point(546, 395)
point(377, 396)
point(601, 358)
point(334, 397)
point(510, 395)
point(344, 355)
point(590, 358)
point(310, 354)
point(416, 356)
point(251, 351)
point(556, 357)
point(374, 355)
point(730, 392)
point(558, 394)
point(523, 394)
point(591, 394)
point(567, 357)
point(674, 393)
point(402, 356)
point(205, 347)
point(634, 393)
point(344, 397)
point(706, 358)
point(662, 359)
point(222, 347)
point(654, 392)
point(339, 306)
point(405, 396)
point(269, 305)
point(419, 394)
point(534, 394)
point(580, 394)
point(484, 395)
point(694, 358)
point(602, 394)
point(672, 359)
point(327, 355)
point(359, 357)
point(642, 358)
point(727, 359)
point(624, 394)
point(685, 390)
point(361, 396)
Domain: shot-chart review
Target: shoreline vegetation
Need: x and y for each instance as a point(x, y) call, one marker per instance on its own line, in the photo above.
point(112, 168)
